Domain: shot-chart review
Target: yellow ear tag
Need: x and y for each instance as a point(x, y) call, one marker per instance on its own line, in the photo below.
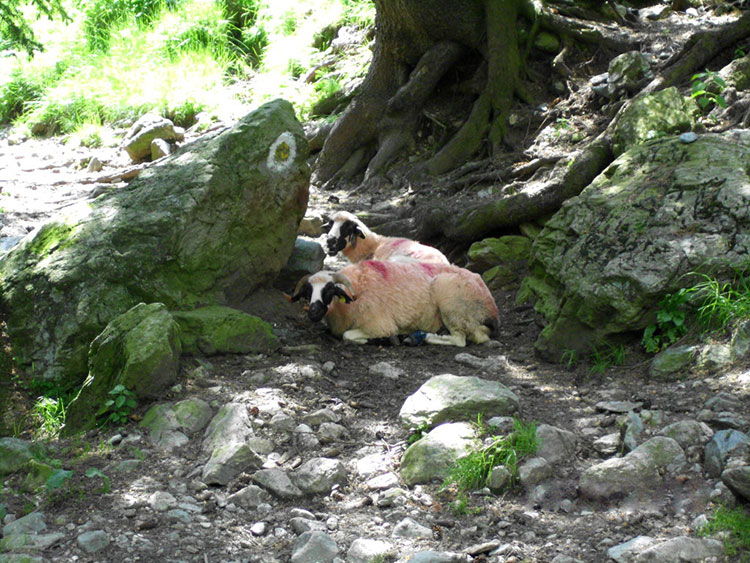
point(342, 299)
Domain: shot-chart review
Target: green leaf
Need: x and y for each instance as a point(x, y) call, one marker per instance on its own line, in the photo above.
point(57, 479)
point(120, 401)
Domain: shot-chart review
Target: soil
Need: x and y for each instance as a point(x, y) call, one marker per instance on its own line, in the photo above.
point(40, 177)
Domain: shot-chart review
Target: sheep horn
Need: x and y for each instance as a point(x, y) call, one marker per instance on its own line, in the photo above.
point(297, 290)
point(338, 277)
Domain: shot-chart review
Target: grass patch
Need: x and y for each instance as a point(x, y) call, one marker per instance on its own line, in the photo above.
point(714, 304)
point(734, 526)
point(473, 471)
point(119, 60)
point(606, 357)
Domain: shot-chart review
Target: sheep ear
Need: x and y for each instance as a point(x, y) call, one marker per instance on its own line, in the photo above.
point(356, 232)
point(345, 297)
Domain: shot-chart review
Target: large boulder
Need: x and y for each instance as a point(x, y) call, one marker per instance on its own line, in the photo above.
point(217, 220)
point(660, 211)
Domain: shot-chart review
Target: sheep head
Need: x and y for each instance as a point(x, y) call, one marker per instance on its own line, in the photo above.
point(343, 230)
point(321, 290)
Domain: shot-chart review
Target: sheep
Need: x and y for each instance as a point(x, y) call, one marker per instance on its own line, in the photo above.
point(353, 239)
point(374, 299)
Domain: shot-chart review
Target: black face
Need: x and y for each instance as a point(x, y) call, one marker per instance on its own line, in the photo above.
point(318, 309)
point(348, 232)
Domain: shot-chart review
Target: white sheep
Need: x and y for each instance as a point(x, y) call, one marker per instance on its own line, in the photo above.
point(353, 239)
point(374, 299)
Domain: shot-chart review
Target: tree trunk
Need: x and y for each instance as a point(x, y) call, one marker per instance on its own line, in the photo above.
point(416, 43)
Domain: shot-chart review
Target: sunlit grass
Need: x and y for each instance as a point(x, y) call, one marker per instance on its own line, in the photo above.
point(181, 65)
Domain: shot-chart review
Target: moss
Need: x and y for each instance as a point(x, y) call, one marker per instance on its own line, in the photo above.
point(52, 236)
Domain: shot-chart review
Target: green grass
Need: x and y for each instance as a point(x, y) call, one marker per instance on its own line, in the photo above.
point(119, 60)
point(735, 524)
point(715, 305)
point(606, 357)
point(472, 472)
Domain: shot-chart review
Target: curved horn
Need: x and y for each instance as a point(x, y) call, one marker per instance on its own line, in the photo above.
point(338, 277)
point(300, 284)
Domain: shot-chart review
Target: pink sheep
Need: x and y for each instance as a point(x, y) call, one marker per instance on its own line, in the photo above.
point(374, 299)
point(353, 239)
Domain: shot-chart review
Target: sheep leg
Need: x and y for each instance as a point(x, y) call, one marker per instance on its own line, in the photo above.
point(453, 339)
point(356, 336)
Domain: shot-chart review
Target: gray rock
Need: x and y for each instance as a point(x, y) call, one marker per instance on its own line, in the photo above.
point(382, 482)
point(251, 496)
point(307, 258)
point(230, 424)
point(499, 478)
point(386, 370)
point(626, 72)
point(314, 547)
point(228, 461)
point(205, 218)
point(161, 501)
point(432, 456)
point(320, 416)
point(673, 363)
point(688, 433)
point(637, 473)
point(410, 528)
point(192, 414)
point(657, 114)
point(740, 343)
point(93, 541)
point(554, 444)
point(281, 422)
point(305, 438)
point(160, 148)
point(608, 445)
point(277, 482)
point(393, 496)
point(618, 407)
point(719, 447)
point(15, 454)
point(491, 364)
point(26, 542)
point(332, 432)
point(32, 523)
point(439, 557)
point(301, 525)
point(682, 550)
point(534, 471)
point(724, 402)
point(738, 480)
point(449, 397)
point(713, 358)
point(138, 139)
point(626, 552)
point(364, 550)
point(319, 475)
point(632, 431)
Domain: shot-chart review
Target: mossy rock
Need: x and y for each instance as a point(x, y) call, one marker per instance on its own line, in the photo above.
point(223, 330)
point(139, 350)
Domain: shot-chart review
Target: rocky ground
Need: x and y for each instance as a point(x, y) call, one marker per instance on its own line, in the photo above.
point(144, 503)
